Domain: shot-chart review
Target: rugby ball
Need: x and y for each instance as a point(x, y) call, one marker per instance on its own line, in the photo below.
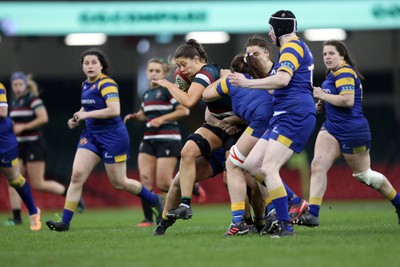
point(181, 80)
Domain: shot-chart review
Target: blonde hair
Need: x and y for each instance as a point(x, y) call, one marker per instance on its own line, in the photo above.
point(165, 63)
point(32, 86)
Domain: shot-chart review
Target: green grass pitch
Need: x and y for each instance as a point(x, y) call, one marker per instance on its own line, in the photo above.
point(351, 234)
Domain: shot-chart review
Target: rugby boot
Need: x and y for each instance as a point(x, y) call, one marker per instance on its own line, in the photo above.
point(295, 211)
point(252, 229)
point(12, 222)
point(237, 229)
point(283, 229)
point(34, 221)
point(57, 226)
point(162, 227)
point(200, 193)
point(145, 223)
point(182, 212)
point(270, 223)
point(307, 219)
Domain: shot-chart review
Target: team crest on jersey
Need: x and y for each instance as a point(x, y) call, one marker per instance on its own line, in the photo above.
point(83, 141)
point(92, 87)
point(158, 95)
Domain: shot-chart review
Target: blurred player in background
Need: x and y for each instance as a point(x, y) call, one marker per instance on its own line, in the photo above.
point(29, 114)
point(9, 165)
point(105, 139)
point(161, 145)
point(345, 132)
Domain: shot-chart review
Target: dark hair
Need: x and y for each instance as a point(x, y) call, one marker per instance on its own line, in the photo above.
point(343, 51)
point(248, 64)
point(99, 54)
point(190, 50)
point(166, 66)
point(257, 41)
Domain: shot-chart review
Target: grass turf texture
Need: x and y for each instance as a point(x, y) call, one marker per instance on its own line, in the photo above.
point(351, 234)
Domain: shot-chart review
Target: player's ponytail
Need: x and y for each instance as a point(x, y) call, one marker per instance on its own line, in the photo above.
point(32, 86)
point(191, 49)
point(247, 64)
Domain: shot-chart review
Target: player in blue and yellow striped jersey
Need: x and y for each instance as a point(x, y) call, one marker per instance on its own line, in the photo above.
point(9, 166)
point(161, 144)
point(104, 139)
point(192, 61)
point(345, 132)
point(255, 107)
point(294, 118)
point(260, 49)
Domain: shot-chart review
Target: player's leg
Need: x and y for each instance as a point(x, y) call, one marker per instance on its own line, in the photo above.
point(15, 200)
point(23, 188)
point(360, 165)
point(84, 162)
point(15, 204)
point(165, 171)
point(202, 142)
point(276, 155)
point(35, 170)
point(172, 201)
point(116, 173)
point(206, 167)
point(325, 152)
point(236, 181)
point(258, 196)
point(147, 170)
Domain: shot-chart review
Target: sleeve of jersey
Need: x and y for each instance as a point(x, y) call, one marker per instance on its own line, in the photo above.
point(345, 81)
point(36, 103)
point(3, 96)
point(291, 53)
point(222, 88)
point(109, 90)
point(174, 102)
point(204, 78)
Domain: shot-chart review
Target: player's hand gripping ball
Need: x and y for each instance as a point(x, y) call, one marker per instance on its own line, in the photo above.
point(181, 80)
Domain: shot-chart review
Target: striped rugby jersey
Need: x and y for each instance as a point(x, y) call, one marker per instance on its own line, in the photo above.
point(158, 102)
point(23, 111)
